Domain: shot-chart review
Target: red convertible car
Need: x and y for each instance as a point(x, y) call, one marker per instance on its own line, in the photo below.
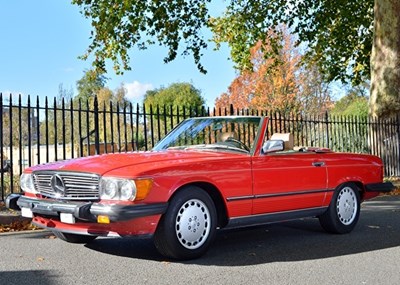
point(207, 174)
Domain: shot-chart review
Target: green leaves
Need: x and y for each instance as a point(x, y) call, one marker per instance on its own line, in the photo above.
point(90, 84)
point(177, 95)
point(338, 34)
point(119, 25)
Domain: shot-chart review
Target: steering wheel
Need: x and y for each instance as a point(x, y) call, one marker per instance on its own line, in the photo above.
point(237, 143)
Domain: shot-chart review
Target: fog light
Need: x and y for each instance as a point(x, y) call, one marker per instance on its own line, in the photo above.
point(101, 219)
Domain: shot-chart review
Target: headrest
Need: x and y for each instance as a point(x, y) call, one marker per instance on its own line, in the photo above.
point(286, 137)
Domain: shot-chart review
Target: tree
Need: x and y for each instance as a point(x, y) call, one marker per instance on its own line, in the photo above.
point(58, 124)
point(385, 63)
point(169, 106)
point(177, 96)
point(90, 84)
point(121, 25)
point(278, 83)
point(315, 95)
point(14, 122)
point(272, 83)
point(107, 97)
point(352, 113)
point(93, 84)
point(114, 123)
point(340, 35)
point(354, 103)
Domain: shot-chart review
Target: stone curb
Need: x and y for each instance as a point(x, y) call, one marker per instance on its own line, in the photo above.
point(13, 233)
point(6, 219)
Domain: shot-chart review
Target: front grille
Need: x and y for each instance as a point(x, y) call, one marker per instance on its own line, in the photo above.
point(75, 185)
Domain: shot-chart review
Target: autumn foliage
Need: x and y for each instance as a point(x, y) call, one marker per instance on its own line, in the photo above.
point(275, 82)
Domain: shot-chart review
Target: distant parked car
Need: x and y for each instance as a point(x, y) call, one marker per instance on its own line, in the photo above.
point(206, 174)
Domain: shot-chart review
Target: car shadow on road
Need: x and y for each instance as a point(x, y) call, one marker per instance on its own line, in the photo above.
point(300, 240)
point(28, 277)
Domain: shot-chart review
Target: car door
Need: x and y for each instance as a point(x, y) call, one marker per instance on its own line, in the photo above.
point(288, 181)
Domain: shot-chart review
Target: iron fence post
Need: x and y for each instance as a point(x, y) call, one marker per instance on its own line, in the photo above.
point(327, 128)
point(398, 145)
point(96, 126)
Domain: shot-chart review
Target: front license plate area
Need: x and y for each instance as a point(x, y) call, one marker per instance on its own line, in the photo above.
point(26, 213)
point(67, 218)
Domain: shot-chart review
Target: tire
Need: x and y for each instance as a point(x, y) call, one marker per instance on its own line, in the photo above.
point(344, 210)
point(188, 227)
point(74, 238)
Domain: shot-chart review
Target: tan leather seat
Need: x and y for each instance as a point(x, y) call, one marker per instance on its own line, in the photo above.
point(286, 137)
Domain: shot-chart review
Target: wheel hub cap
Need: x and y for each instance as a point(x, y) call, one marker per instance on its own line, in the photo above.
point(346, 206)
point(193, 224)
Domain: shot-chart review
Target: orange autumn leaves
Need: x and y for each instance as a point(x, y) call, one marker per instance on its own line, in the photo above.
point(274, 83)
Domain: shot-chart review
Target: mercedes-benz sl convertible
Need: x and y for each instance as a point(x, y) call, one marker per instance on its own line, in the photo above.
point(207, 174)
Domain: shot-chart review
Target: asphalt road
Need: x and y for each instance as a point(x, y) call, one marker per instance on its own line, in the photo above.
point(296, 252)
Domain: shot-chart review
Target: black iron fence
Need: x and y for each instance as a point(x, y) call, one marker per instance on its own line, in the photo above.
point(39, 132)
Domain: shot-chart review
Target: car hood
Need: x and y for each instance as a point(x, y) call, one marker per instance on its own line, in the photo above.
point(140, 161)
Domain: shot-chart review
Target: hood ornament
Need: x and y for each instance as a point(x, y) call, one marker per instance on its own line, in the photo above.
point(57, 184)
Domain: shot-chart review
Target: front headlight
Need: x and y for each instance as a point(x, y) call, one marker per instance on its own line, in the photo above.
point(128, 190)
point(117, 189)
point(26, 183)
point(109, 189)
point(112, 188)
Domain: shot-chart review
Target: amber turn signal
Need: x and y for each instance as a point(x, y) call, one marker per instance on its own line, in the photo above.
point(101, 219)
point(143, 187)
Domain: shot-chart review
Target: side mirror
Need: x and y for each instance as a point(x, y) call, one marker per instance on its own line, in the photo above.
point(273, 146)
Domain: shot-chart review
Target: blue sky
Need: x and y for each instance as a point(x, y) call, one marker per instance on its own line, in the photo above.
point(41, 42)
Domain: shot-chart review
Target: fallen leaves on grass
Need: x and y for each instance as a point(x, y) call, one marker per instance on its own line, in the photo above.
point(16, 226)
point(396, 183)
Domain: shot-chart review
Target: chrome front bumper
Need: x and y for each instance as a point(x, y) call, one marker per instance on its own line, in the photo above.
point(86, 211)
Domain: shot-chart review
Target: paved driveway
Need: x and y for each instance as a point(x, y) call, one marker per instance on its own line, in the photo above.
point(296, 252)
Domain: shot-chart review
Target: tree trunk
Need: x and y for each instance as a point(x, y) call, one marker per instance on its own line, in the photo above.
point(385, 60)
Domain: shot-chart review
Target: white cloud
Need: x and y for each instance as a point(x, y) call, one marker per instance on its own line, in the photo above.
point(69, 69)
point(135, 90)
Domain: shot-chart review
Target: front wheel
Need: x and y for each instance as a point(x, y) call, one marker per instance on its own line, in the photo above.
point(74, 238)
point(188, 227)
point(344, 210)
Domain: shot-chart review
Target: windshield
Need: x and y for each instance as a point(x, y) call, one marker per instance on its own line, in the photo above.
point(213, 133)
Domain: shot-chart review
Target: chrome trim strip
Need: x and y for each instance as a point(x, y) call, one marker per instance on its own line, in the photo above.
point(263, 196)
point(238, 198)
point(275, 217)
point(293, 193)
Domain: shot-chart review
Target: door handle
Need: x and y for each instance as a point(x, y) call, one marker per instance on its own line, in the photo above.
point(318, 163)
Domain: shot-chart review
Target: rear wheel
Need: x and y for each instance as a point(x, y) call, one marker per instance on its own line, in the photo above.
point(344, 210)
point(74, 238)
point(188, 227)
